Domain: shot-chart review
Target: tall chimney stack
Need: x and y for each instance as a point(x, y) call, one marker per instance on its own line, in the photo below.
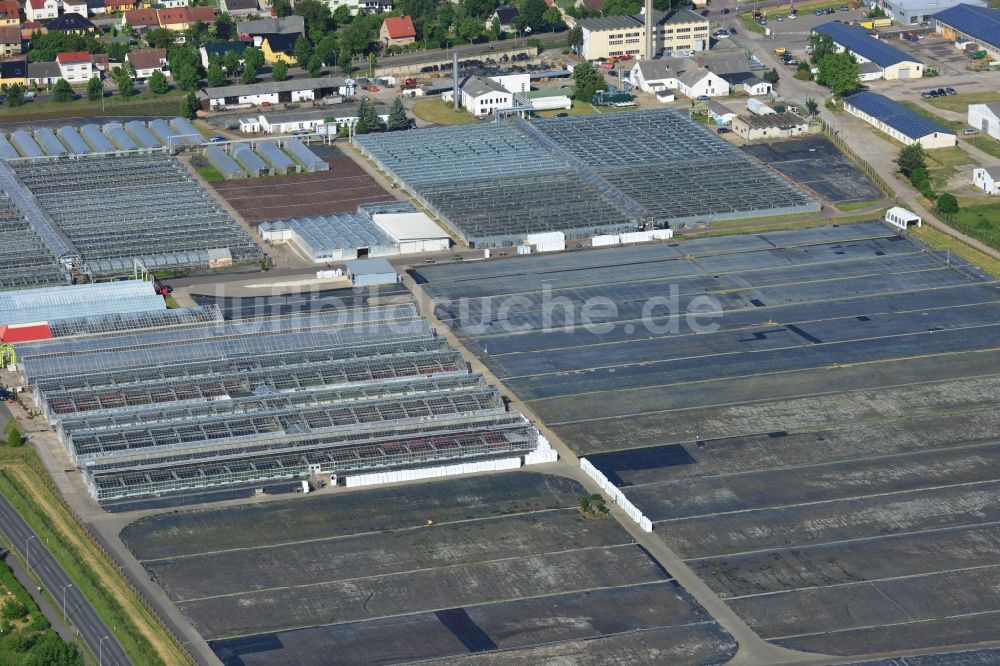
point(454, 73)
point(650, 41)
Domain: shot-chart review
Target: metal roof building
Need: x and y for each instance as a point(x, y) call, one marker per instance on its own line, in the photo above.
point(898, 121)
point(115, 132)
point(895, 64)
point(188, 133)
point(166, 135)
point(226, 165)
point(141, 135)
point(279, 161)
point(914, 12)
point(969, 22)
point(249, 160)
point(332, 238)
point(25, 144)
point(308, 158)
point(46, 138)
point(371, 272)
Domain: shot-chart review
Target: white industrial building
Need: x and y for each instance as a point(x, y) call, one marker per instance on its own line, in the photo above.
point(986, 118)
point(987, 179)
point(375, 230)
point(915, 12)
point(270, 92)
point(685, 75)
point(312, 121)
point(898, 121)
point(481, 95)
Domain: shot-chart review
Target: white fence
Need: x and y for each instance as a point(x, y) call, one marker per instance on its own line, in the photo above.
point(632, 237)
point(431, 472)
point(617, 496)
point(543, 453)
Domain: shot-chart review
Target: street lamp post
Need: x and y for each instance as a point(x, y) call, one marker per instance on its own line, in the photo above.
point(100, 651)
point(65, 587)
point(27, 551)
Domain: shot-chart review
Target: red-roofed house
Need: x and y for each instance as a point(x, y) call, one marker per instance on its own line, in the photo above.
point(112, 6)
point(10, 40)
point(397, 31)
point(9, 14)
point(141, 18)
point(76, 66)
point(182, 18)
point(29, 28)
point(41, 10)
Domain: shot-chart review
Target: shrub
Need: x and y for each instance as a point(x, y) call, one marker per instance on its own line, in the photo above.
point(13, 609)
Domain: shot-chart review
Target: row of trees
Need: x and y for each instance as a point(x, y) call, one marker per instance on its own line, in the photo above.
point(912, 163)
point(837, 71)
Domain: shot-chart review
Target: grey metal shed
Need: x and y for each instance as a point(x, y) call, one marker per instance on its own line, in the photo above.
point(249, 160)
point(276, 157)
point(371, 272)
point(308, 158)
point(224, 163)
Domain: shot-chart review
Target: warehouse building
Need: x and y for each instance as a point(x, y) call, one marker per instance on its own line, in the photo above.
point(898, 121)
point(915, 12)
point(971, 23)
point(893, 63)
point(340, 115)
point(614, 36)
point(375, 230)
point(986, 118)
point(371, 272)
point(272, 92)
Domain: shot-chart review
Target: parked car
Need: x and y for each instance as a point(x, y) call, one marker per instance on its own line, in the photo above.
point(217, 139)
point(926, 94)
point(29, 94)
point(723, 130)
point(791, 61)
point(721, 35)
point(951, 91)
point(562, 115)
point(703, 98)
point(781, 50)
point(732, 31)
point(968, 132)
point(941, 92)
point(779, 19)
point(792, 16)
point(725, 10)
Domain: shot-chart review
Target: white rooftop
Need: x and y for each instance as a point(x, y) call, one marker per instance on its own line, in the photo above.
point(409, 226)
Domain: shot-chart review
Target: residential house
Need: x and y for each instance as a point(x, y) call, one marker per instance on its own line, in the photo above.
point(147, 61)
point(505, 14)
point(254, 31)
point(733, 67)
point(13, 71)
point(41, 10)
point(986, 118)
point(75, 7)
point(115, 6)
point(720, 114)
point(684, 75)
point(240, 8)
point(279, 47)
point(100, 62)
point(96, 7)
point(898, 121)
point(9, 13)
point(397, 31)
point(43, 74)
point(987, 179)
point(73, 23)
point(182, 18)
point(76, 66)
point(754, 86)
point(770, 126)
point(612, 36)
point(211, 51)
point(10, 40)
point(31, 28)
point(173, 4)
point(140, 19)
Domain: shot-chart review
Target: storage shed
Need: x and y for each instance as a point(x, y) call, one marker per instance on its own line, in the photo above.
point(371, 272)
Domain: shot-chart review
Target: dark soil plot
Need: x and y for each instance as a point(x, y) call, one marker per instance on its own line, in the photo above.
point(819, 165)
point(341, 189)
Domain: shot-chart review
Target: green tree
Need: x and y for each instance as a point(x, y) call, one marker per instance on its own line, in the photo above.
point(326, 49)
point(216, 77)
point(224, 27)
point(50, 650)
point(342, 16)
point(551, 17)
point(281, 8)
point(822, 46)
point(15, 95)
point(13, 434)
point(470, 29)
point(947, 205)
point(495, 29)
point(574, 38)
point(910, 159)
point(839, 73)
point(317, 17)
point(358, 36)
point(303, 50)
point(190, 106)
point(253, 57)
point(876, 13)
point(126, 87)
point(159, 38)
point(158, 82)
point(533, 10)
point(13, 609)
point(314, 65)
point(117, 51)
point(368, 120)
point(231, 61)
point(397, 116)
point(772, 77)
point(95, 89)
point(187, 77)
point(812, 108)
point(249, 75)
point(621, 7)
point(63, 92)
point(587, 80)
point(279, 72)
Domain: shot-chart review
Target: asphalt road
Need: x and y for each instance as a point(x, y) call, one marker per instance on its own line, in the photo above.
point(81, 614)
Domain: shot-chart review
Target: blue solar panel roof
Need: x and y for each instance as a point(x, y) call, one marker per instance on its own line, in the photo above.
point(895, 115)
point(856, 40)
point(978, 22)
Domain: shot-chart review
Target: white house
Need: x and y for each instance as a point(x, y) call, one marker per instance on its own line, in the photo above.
point(755, 86)
point(146, 61)
point(41, 10)
point(76, 66)
point(174, 4)
point(987, 179)
point(986, 118)
point(75, 7)
point(481, 96)
point(684, 75)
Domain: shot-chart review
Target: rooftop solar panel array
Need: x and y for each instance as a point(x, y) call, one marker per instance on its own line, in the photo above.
point(206, 403)
point(895, 115)
point(980, 23)
point(496, 183)
point(856, 40)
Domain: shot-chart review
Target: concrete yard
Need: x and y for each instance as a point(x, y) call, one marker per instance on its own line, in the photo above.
point(824, 458)
point(500, 565)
